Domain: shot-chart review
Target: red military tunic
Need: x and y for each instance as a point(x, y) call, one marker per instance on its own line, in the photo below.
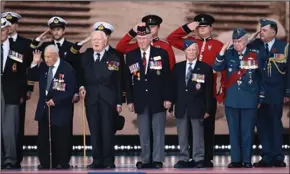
point(124, 46)
point(208, 50)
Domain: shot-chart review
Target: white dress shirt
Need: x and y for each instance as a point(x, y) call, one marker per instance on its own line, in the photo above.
point(14, 37)
point(270, 44)
point(59, 41)
point(6, 48)
point(101, 55)
point(147, 57)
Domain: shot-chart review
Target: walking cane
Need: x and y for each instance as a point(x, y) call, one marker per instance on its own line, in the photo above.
point(84, 130)
point(49, 136)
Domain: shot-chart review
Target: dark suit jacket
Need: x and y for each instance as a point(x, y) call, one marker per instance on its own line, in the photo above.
point(151, 89)
point(61, 113)
point(195, 98)
point(24, 47)
point(122, 65)
point(13, 80)
point(98, 80)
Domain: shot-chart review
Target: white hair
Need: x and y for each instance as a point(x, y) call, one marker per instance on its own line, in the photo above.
point(52, 48)
point(196, 46)
point(104, 36)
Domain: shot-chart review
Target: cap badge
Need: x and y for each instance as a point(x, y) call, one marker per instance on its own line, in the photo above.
point(9, 16)
point(55, 21)
point(100, 27)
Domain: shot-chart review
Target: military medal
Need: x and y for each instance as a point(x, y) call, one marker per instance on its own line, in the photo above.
point(239, 82)
point(14, 67)
point(250, 81)
point(138, 75)
point(197, 86)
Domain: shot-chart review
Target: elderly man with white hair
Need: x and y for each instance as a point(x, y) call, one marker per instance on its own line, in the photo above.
point(13, 87)
point(148, 92)
point(193, 93)
point(57, 82)
point(245, 92)
point(99, 78)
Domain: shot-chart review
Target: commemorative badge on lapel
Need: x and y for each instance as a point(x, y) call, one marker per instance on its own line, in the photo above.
point(158, 72)
point(14, 67)
point(197, 86)
point(113, 65)
point(16, 56)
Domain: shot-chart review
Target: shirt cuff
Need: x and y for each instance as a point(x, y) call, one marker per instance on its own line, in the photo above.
point(76, 95)
point(37, 39)
point(33, 65)
point(119, 105)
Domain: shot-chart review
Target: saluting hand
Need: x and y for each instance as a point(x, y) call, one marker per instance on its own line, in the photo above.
point(85, 40)
point(225, 47)
point(37, 57)
point(42, 36)
point(254, 36)
point(193, 25)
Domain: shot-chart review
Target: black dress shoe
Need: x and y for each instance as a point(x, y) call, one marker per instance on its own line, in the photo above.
point(11, 166)
point(199, 164)
point(191, 163)
point(235, 165)
point(208, 164)
point(181, 165)
point(279, 164)
point(67, 166)
point(95, 166)
point(110, 166)
point(42, 167)
point(157, 165)
point(247, 165)
point(262, 163)
point(141, 165)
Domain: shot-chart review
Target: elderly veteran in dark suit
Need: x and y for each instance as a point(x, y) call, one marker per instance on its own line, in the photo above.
point(99, 78)
point(193, 94)
point(57, 83)
point(148, 91)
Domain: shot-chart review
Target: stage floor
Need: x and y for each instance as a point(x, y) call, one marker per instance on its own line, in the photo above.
point(126, 165)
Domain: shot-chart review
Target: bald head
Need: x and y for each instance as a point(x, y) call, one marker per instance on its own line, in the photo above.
point(51, 55)
point(99, 40)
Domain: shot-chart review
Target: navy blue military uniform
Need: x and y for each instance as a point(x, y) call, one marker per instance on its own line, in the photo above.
point(61, 91)
point(244, 83)
point(269, 124)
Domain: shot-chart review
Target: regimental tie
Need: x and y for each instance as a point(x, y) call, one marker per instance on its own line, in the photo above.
point(267, 49)
point(144, 62)
point(58, 45)
point(188, 74)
